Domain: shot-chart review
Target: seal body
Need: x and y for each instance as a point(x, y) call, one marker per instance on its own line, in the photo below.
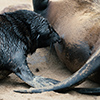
point(21, 33)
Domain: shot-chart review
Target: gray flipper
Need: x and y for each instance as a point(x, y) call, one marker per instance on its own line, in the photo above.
point(90, 91)
point(35, 81)
point(18, 65)
point(40, 6)
point(87, 69)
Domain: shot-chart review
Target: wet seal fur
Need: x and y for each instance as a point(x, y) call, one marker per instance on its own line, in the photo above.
point(21, 33)
point(78, 23)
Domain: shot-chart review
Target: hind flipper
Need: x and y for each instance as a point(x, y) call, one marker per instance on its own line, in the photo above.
point(27, 76)
point(40, 6)
point(90, 91)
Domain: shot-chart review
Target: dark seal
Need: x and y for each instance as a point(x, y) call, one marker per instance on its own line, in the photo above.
point(21, 33)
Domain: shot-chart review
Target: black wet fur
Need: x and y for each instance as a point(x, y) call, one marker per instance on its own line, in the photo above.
point(21, 33)
point(87, 69)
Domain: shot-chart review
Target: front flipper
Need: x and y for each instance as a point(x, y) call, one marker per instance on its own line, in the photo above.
point(88, 68)
point(18, 65)
point(39, 82)
point(43, 82)
point(27, 76)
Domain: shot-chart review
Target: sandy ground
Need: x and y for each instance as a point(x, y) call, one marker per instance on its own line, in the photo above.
point(48, 65)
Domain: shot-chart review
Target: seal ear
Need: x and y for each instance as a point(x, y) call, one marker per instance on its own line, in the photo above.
point(40, 6)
